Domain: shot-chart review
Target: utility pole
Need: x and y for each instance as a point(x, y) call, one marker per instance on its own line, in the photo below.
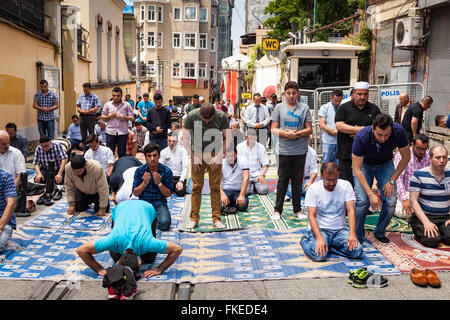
point(138, 61)
point(238, 82)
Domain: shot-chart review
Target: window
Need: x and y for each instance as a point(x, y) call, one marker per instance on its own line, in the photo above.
point(190, 13)
point(176, 40)
point(141, 36)
point(189, 70)
point(313, 73)
point(213, 44)
point(213, 20)
point(150, 39)
point(142, 13)
point(202, 70)
point(203, 14)
point(211, 73)
point(176, 70)
point(150, 67)
point(190, 40)
point(203, 43)
point(160, 40)
point(177, 14)
point(160, 14)
point(151, 13)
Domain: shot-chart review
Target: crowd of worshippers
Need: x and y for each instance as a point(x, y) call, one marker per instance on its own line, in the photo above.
point(359, 144)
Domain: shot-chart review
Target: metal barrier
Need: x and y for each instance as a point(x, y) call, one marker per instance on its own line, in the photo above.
point(385, 96)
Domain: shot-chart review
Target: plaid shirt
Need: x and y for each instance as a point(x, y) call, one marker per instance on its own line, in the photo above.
point(131, 139)
point(140, 135)
point(405, 177)
point(47, 101)
point(88, 102)
point(56, 154)
point(151, 193)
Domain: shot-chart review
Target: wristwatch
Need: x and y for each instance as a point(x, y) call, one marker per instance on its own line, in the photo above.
point(392, 182)
point(160, 185)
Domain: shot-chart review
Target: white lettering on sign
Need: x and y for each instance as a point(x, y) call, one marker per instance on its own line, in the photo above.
point(389, 94)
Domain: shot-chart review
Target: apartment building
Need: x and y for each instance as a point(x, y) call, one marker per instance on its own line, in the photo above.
point(178, 41)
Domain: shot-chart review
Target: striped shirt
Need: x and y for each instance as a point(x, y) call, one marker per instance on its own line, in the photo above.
point(7, 190)
point(434, 196)
point(47, 101)
point(56, 154)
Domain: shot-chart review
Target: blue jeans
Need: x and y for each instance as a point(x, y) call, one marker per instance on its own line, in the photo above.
point(232, 196)
point(329, 152)
point(46, 128)
point(336, 242)
point(163, 219)
point(382, 173)
point(5, 236)
point(289, 192)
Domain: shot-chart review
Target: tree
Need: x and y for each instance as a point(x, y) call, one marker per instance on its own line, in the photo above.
point(286, 12)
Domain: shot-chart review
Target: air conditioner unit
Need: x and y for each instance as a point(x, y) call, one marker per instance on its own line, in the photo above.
point(408, 32)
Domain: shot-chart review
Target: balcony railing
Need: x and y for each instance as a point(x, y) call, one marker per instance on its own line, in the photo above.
point(27, 13)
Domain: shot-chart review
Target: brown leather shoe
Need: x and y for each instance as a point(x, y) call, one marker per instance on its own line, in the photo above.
point(432, 278)
point(418, 277)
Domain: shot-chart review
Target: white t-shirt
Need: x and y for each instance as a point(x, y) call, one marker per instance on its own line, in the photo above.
point(330, 205)
point(177, 160)
point(231, 176)
point(126, 190)
point(103, 155)
point(12, 161)
point(311, 164)
point(254, 159)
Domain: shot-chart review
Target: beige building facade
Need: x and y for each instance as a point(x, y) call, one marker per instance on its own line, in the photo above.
point(179, 43)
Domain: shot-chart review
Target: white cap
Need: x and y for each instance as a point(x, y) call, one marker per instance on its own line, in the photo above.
point(361, 85)
point(201, 98)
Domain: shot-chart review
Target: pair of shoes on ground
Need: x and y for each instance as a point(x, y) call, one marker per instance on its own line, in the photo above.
point(229, 210)
point(299, 215)
point(361, 278)
point(47, 198)
point(192, 224)
point(113, 294)
point(423, 278)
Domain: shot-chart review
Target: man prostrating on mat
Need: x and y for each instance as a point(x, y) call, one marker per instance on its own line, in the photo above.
point(133, 234)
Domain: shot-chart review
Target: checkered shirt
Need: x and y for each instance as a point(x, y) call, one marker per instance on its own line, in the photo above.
point(46, 101)
point(88, 102)
point(140, 135)
point(56, 154)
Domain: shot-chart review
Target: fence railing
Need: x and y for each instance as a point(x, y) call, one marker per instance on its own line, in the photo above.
point(28, 13)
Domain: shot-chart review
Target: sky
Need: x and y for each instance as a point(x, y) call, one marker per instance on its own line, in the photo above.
point(237, 25)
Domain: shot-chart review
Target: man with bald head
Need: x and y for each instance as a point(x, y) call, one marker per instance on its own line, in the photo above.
point(401, 107)
point(11, 159)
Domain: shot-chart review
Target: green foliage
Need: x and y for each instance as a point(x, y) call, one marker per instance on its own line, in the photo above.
point(286, 12)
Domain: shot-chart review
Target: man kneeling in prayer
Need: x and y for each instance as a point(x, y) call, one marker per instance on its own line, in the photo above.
point(327, 201)
point(133, 234)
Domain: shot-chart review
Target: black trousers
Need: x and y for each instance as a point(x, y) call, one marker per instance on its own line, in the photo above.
point(182, 192)
point(290, 169)
point(118, 140)
point(87, 125)
point(147, 258)
point(419, 231)
point(83, 200)
point(345, 166)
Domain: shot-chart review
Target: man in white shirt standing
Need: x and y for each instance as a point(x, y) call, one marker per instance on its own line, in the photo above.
point(234, 184)
point(177, 159)
point(230, 109)
point(257, 117)
point(327, 202)
point(253, 155)
point(11, 159)
point(100, 153)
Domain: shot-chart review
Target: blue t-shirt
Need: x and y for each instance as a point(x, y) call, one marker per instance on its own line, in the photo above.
point(375, 153)
point(7, 190)
point(143, 107)
point(132, 230)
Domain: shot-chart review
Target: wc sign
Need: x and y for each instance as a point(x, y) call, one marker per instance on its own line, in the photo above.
point(390, 94)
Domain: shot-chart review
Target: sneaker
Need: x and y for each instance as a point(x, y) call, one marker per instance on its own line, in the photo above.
point(48, 201)
point(301, 216)
point(57, 195)
point(128, 296)
point(219, 225)
point(192, 224)
point(376, 281)
point(113, 294)
point(353, 273)
point(360, 279)
point(40, 201)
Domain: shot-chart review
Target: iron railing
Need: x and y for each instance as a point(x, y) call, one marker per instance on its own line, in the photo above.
point(27, 13)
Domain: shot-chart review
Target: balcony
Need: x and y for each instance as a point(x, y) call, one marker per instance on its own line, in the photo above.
point(27, 13)
point(82, 42)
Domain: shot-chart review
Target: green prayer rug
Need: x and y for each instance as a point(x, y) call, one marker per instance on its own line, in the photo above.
point(395, 225)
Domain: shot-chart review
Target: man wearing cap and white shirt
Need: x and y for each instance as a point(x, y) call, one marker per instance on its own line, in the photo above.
point(11, 159)
point(252, 154)
point(350, 118)
point(177, 159)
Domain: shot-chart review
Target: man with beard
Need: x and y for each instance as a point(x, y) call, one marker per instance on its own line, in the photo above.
point(372, 158)
point(328, 201)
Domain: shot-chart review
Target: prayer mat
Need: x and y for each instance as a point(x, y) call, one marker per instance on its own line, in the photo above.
point(395, 225)
point(405, 252)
